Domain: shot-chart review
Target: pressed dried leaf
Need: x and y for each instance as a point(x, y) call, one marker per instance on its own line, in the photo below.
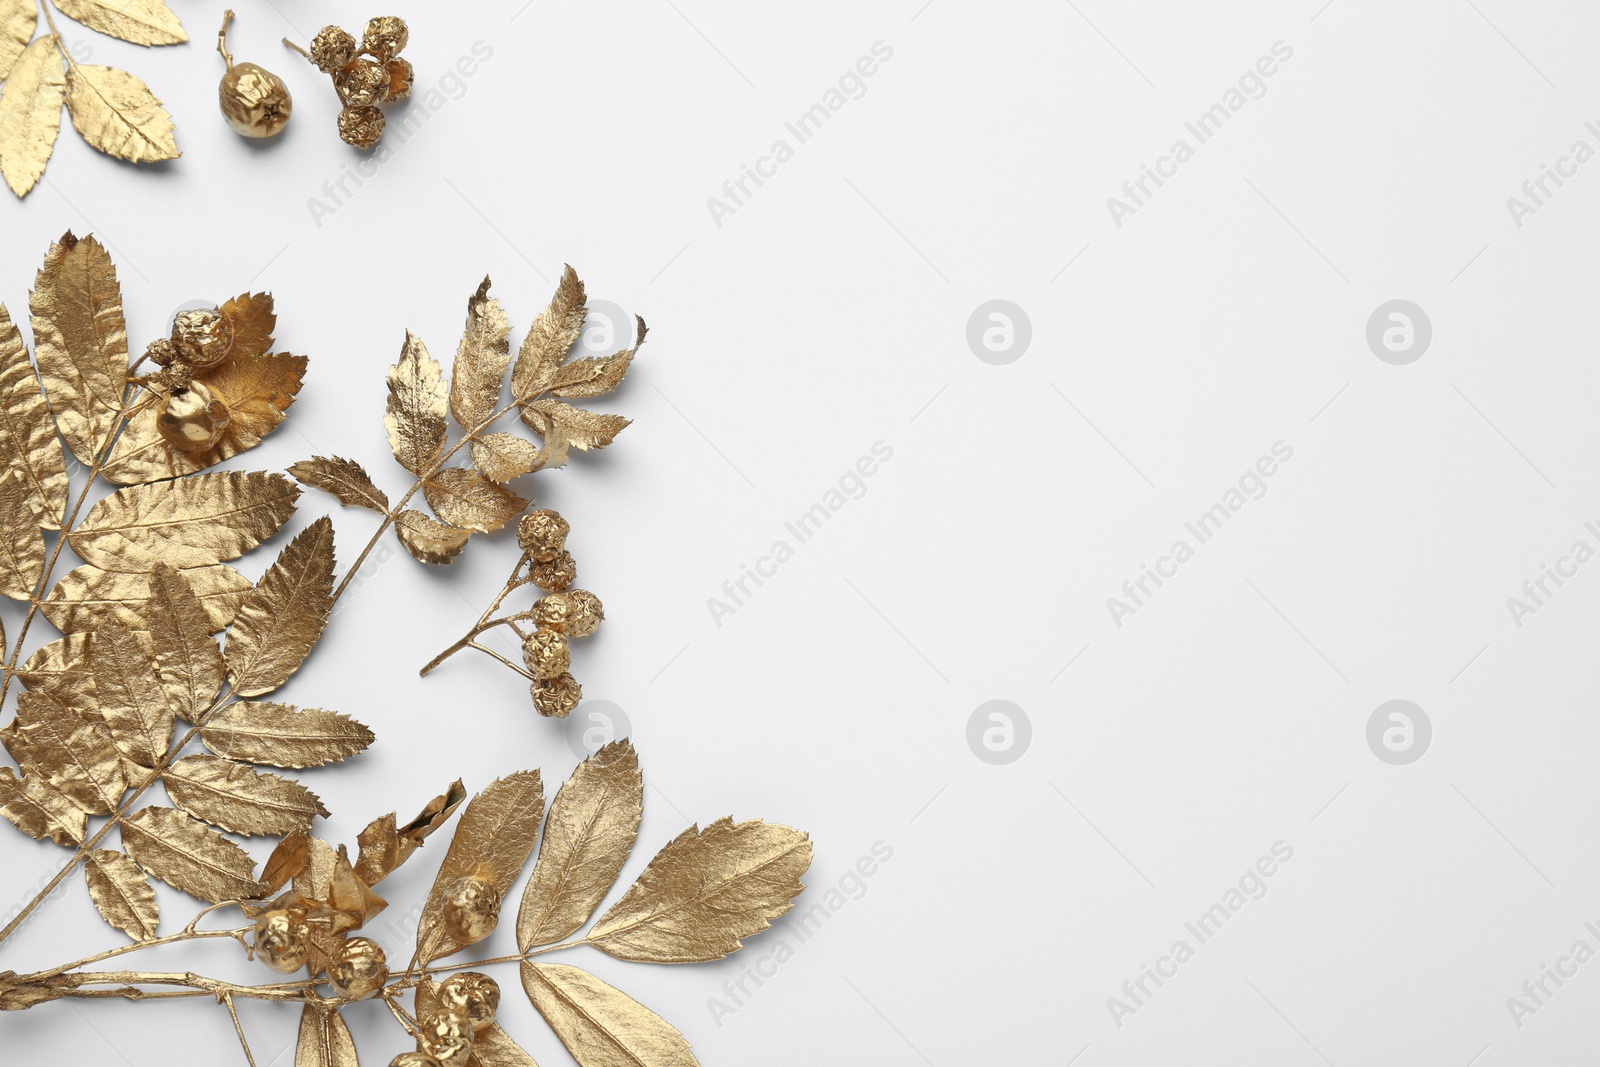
point(192, 522)
point(188, 855)
point(324, 1040)
point(87, 595)
point(129, 695)
point(121, 893)
point(481, 360)
point(28, 440)
point(504, 456)
point(239, 798)
point(188, 661)
point(600, 1025)
point(138, 21)
point(581, 429)
point(18, 20)
point(283, 736)
point(118, 114)
point(465, 498)
point(70, 748)
point(428, 539)
point(416, 409)
point(704, 891)
point(284, 615)
point(61, 668)
point(346, 479)
point(554, 331)
point(30, 112)
point(80, 342)
point(21, 546)
point(593, 823)
point(39, 811)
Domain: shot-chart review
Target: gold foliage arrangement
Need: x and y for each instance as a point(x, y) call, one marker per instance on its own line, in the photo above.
point(113, 110)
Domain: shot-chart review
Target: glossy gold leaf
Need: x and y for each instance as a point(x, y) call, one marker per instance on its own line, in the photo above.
point(28, 441)
point(80, 342)
point(704, 891)
point(481, 360)
point(289, 857)
point(284, 615)
point(465, 498)
point(600, 1025)
point(137, 21)
point(30, 113)
point(129, 695)
point(21, 546)
point(118, 114)
point(581, 429)
point(346, 479)
point(282, 736)
point(597, 375)
point(416, 410)
point(188, 855)
point(324, 1040)
point(18, 20)
point(69, 748)
point(121, 893)
point(428, 539)
point(379, 854)
point(61, 668)
point(188, 661)
point(39, 811)
point(239, 798)
point(87, 595)
point(251, 319)
point(504, 456)
point(592, 826)
point(554, 331)
point(192, 522)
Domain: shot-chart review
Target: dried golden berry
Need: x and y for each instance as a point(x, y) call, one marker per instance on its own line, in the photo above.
point(553, 611)
point(447, 1037)
point(542, 533)
point(400, 77)
point(162, 352)
point(414, 1059)
point(546, 654)
point(201, 337)
point(384, 37)
point(283, 941)
point(587, 613)
point(255, 101)
point(556, 573)
point(361, 126)
point(332, 49)
point(470, 910)
point(359, 969)
point(554, 698)
point(361, 83)
point(475, 995)
point(192, 420)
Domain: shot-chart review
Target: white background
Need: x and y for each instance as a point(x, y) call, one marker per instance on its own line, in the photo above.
point(829, 312)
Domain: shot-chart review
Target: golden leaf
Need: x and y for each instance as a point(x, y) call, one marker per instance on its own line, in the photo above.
point(118, 114)
point(465, 498)
point(21, 546)
point(284, 615)
point(600, 1025)
point(481, 360)
point(592, 826)
point(18, 20)
point(324, 1040)
point(128, 694)
point(283, 736)
point(582, 429)
point(491, 1046)
point(189, 856)
point(27, 433)
point(70, 748)
point(121, 893)
point(704, 891)
point(239, 798)
point(80, 341)
point(251, 319)
point(288, 859)
point(384, 847)
point(416, 408)
point(504, 456)
point(556, 330)
point(144, 22)
point(597, 375)
point(493, 840)
point(192, 522)
point(87, 595)
point(61, 668)
point(188, 661)
point(39, 811)
point(346, 479)
point(30, 113)
point(428, 539)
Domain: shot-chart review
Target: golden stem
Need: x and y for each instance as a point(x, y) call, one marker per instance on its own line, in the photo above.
point(297, 48)
point(228, 997)
point(222, 46)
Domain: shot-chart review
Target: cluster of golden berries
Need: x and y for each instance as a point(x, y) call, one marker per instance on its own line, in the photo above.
point(561, 614)
point(365, 75)
point(191, 415)
point(357, 969)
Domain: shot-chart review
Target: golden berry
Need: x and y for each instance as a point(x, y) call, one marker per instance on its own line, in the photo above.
point(414, 1059)
point(201, 337)
point(546, 654)
point(361, 126)
point(556, 573)
point(384, 37)
point(475, 995)
point(542, 533)
point(283, 940)
point(554, 610)
point(362, 83)
point(359, 969)
point(470, 910)
point(193, 419)
point(332, 49)
point(255, 101)
point(162, 352)
point(400, 77)
point(554, 698)
point(587, 613)
point(447, 1037)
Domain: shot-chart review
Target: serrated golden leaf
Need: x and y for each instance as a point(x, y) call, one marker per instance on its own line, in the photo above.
point(61, 668)
point(21, 546)
point(555, 330)
point(30, 113)
point(118, 114)
point(87, 595)
point(28, 441)
point(80, 341)
point(481, 360)
point(189, 856)
point(283, 736)
point(600, 1025)
point(504, 456)
point(379, 856)
point(284, 615)
point(18, 20)
point(581, 428)
point(70, 748)
point(593, 823)
point(251, 320)
point(144, 22)
point(324, 1040)
point(428, 539)
point(188, 661)
point(704, 891)
point(289, 857)
point(121, 893)
point(128, 695)
point(192, 522)
point(239, 798)
point(39, 811)
point(465, 498)
point(347, 480)
point(493, 839)
point(379, 849)
point(595, 375)
point(416, 407)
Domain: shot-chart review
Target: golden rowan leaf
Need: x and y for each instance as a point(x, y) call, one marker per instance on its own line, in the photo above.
point(581, 429)
point(251, 320)
point(428, 539)
point(239, 798)
point(346, 479)
point(18, 20)
point(30, 113)
point(282, 736)
point(121, 893)
point(493, 840)
point(597, 375)
point(481, 360)
point(118, 114)
point(21, 546)
point(465, 498)
point(39, 811)
point(129, 695)
point(189, 856)
point(80, 341)
point(192, 522)
point(70, 748)
point(593, 823)
point(28, 440)
point(188, 661)
point(61, 668)
point(556, 330)
point(324, 1040)
point(284, 615)
point(144, 22)
point(288, 859)
point(704, 891)
point(416, 408)
point(87, 595)
point(600, 1025)
point(379, 849)
point(504, 456)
